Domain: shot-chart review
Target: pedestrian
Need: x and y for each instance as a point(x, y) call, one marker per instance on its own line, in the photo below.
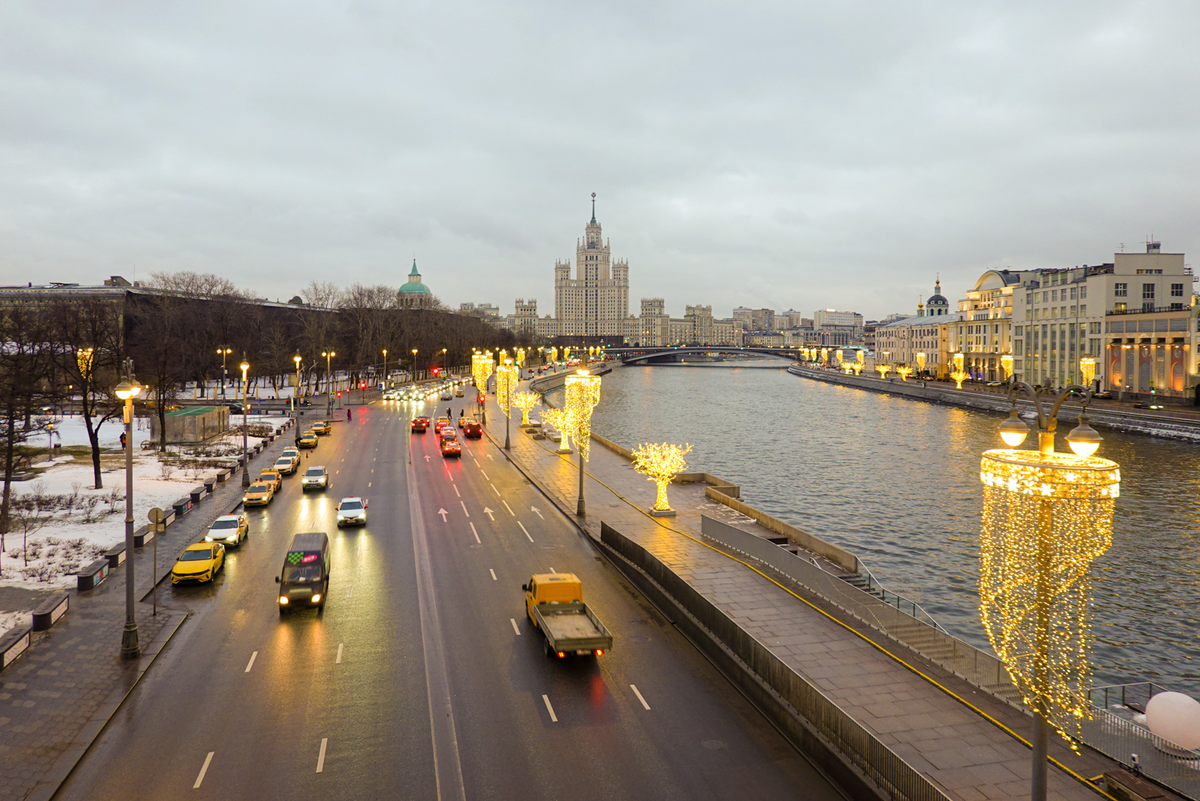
point(347, 415)
point(122, 440)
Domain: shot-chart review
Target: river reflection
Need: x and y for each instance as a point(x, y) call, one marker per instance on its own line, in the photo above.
point(897, 482)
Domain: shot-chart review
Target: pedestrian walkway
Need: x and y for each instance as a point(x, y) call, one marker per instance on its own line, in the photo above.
point(57, 697)
point(960, 738)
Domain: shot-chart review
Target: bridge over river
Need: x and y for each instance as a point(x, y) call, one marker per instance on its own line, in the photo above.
point(709, 355)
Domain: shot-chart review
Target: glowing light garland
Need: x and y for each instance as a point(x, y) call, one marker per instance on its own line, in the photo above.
point(1087, 367)
point(660, 463)
point(582, 395)
point(904, 372)
point(1006, 364)
point(920, 361)
point(481, 369)
point(883, 370)
point(525, 401)
point(560, 422)
point(553, 352)
point(84, 358)
point(1046, 517)
point(506, 382)
point(958, 375)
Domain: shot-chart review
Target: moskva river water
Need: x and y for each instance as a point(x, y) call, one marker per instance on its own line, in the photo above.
point(897, 482)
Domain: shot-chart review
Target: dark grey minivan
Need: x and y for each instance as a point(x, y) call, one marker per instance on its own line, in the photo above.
point(304, 580)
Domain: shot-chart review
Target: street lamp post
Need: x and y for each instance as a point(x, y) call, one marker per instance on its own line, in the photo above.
point(127, 390)
point(582, 395)
point(385, 378)
point(1046, 517)
point(223, 352)
point(506, 382)
point(328, 354)
point(296, 394)
point(445, 367)
point(414, 366)
point(245, 429)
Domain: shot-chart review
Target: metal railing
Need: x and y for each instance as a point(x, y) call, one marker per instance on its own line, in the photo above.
point(909, 607)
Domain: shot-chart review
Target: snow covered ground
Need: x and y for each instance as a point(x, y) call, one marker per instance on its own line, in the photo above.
point(73, 523)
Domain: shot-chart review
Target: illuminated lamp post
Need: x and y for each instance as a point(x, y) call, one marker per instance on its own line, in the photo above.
point(296, 394)
point(1046, 517)
point(385, 377)
point(1087, 368)
point(525, 401)
point(958, 375)
point(328, 354)
point(506, 382)
point(1006, 365)
point(860, 358)
point(414, 366)
point(481, 369)
point(223, 352)
point(445, 366)
point(245, 436)
point(127, 390)
point(920, 362)
point(660, 463)
point(582, 395)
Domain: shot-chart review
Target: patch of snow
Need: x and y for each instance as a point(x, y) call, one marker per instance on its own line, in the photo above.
point(10, 620)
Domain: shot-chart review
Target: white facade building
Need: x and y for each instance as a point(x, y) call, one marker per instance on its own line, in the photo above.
point(596, 301)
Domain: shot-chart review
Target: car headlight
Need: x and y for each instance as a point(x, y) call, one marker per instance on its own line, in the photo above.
point(283, 600)
point(316, 597)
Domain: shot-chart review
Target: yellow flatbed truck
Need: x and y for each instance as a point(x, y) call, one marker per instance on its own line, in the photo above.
point(554, 604)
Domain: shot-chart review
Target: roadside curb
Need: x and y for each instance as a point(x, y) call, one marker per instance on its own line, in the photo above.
point(49, 784)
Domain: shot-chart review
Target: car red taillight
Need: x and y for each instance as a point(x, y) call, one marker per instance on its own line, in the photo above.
point(561, 654)
point(599, 652)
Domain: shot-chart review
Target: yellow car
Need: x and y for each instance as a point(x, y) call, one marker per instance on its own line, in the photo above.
point(308, 440)
point(259, 493)
point(321, 427)
point(199, 562)
point(273, 477)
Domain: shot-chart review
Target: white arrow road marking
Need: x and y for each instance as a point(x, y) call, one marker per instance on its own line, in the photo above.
point(490, 456)
point(350, 591)
point(639, 696)
point(443, 513)
point(464, 506)
point(536, 511)
point(493, 572)
point(456, 492)
point(509, 508)
point(476, 533)
point(250, 664)
point(485, 475)
point(522, 525)
point(550, 709)
point(203, 770)
point(514, 622)
point(427, 457)
point(488, 512)
point(338, 661)
point(321, 755)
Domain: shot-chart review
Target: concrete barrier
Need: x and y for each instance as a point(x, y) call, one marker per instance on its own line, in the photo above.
point(223, 476)
point(47, 613)
point(182, 506)
point(209, 485)
point(13, 643)
point(93, 575)
point(144, 536)
point(196, 494)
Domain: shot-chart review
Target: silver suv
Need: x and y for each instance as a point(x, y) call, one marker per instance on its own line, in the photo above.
point(316, 477)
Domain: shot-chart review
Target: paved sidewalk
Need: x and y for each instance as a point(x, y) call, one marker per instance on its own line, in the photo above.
point(958, 749)
point(57, 697)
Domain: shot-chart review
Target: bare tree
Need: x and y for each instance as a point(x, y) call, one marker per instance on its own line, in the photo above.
point(197, 285)
point(322, 295)
point(25, 368)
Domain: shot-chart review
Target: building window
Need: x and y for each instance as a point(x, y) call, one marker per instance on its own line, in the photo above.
point(1177, 290)
point(1083, 310)
point(1121, 290)
point(1119, 307)
point(1083, 293)
point(1147, 291)
point(1073, 293)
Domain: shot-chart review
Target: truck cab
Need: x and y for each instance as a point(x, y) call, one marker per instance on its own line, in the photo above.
point(551, 588)
point(554, 604)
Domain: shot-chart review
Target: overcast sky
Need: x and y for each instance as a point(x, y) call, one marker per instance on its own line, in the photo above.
point(773, 154)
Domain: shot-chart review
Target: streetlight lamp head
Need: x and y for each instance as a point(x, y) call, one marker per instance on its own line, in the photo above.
point(245, 366)
point(1013, 430)
point(1084, 439)
point(296, 359)
point(128, 389)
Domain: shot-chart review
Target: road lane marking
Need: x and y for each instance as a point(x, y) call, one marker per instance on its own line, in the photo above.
point(464, 506)
point(536, 511)
point(456, 492)
point(321, 755)
point(522, 525)
point(350, 591)
point(203, 770)
point(552, 570)
point(514, 622)
point(550, 709)
point(338, 661)
point(443, 513)
point(509, 508)
point(476, 533)
point(493, 572)
point(368, 485)
point(493, 486)
point(485, 475)
point(488, 512)
point(639, 696)
point(250, 664)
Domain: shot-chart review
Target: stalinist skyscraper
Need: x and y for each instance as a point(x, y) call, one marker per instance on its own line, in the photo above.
point(596, 301)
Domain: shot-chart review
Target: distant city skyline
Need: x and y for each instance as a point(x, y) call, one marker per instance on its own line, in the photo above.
point(774, 156)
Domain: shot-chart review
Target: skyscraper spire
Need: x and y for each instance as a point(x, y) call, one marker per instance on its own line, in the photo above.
point(593, 208)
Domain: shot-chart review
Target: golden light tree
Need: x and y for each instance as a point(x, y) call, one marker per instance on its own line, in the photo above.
point(660, 463)
point(958, 375)
point(525, 401)
point(883, 369)
point(848, 367)
point(841, 357)
point(825, 356)
point(558, 419)
point(860, 357)
point(904, 371)
point(84, 358)
point(582, 395)
point(1087, 368)
point(520, 357)
point(1006, 364)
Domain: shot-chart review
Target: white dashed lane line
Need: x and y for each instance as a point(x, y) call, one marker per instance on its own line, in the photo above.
point(338, 661)
point(464, 506)
point(250, 664)
point(321, 755)
point(456, 492)
point(203, 770)
point(522, 525)
point(476, 533)
point(509, 508)
point(514, 625)
point(493, 572)
point(550, 709)
point(485, 475)
point(639, 697)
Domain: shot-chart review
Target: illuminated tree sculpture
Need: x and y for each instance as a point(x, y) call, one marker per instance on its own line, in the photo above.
point(660, 463)
point(958, 375)
point(861, 358)
point(883, 369)
point(558, 419)
point(525, 401)
point(1046, 517)
point(582, 395)
point(904, 371)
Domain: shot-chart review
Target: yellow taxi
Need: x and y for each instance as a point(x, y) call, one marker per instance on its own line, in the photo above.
point(271, 476)
point(259, 493)
point(198, 563)
point(321, 427)
point(308, 440)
